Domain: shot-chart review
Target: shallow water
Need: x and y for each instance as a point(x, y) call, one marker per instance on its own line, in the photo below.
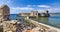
point(53, 20)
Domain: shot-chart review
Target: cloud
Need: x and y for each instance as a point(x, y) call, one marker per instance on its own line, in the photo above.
point(16, 10)
point(28, 8)
point(8, 1)
point(41, 6)
point(22, 8)
point(32, 5)
point(4, 2)
point(44, 6)
point(54, 10)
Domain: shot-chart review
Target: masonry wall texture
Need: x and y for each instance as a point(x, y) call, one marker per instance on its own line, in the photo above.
point(4, 12)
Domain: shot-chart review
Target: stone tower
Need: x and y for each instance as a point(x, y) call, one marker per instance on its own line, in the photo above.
point(34, 13)
point(46, 11)
point(4, 13)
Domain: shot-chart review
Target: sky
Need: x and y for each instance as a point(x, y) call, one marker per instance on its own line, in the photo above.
point(25, 6)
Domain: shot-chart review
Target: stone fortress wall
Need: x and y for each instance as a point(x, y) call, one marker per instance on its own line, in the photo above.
point(4, 13)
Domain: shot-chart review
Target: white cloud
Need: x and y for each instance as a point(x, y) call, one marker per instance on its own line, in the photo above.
point(22, 8)
point(54, 10)
point(44, 6)
point(16, 10)
point(28, 8)
point(32, 5)
point(8, 1)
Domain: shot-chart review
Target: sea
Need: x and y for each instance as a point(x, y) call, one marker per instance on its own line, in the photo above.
point(53, 20)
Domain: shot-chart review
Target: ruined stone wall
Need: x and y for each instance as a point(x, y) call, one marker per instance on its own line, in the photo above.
point(9, 26)
point(4, 12)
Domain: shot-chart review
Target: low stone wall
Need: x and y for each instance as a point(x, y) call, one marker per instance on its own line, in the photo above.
point(43, 26)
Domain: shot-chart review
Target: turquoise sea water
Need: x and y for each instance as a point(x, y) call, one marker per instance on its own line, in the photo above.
point(53, 20)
